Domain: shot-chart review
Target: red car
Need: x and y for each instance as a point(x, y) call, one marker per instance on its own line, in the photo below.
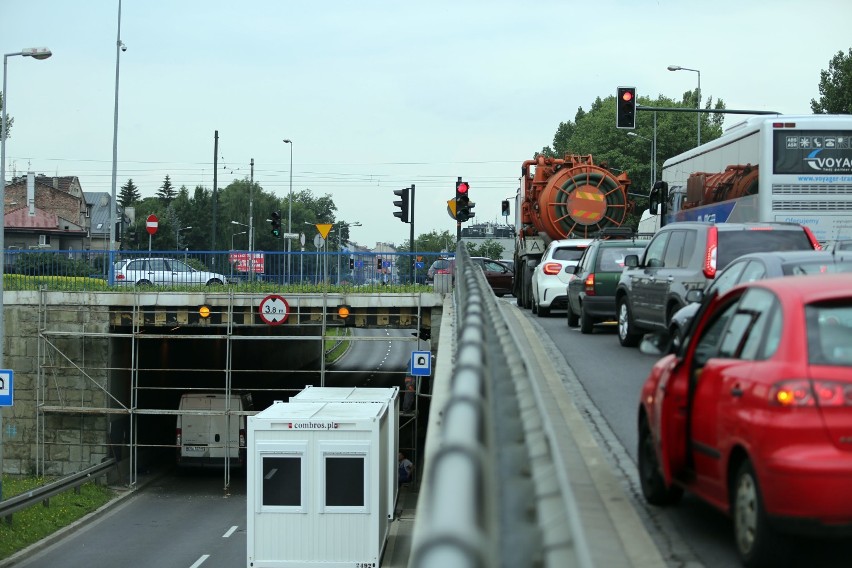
point(754, 413)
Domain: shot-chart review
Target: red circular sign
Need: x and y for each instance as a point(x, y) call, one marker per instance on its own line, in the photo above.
point(274, 309)
point(151, 224)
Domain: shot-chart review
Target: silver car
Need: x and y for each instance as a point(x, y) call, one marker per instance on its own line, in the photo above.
point(163, 272)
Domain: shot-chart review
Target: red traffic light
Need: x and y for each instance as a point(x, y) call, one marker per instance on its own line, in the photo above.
point(462, 187)
point(627, 96)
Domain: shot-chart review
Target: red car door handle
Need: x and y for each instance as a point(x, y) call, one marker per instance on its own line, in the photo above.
point(736, 391)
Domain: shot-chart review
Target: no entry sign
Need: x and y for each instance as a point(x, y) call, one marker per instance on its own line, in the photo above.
point(151, 224)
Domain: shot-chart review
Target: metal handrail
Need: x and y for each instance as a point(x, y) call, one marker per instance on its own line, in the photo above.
point(42, 494)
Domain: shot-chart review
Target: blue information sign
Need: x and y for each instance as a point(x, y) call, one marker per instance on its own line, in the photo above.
point(421, 364)
point(6, 379)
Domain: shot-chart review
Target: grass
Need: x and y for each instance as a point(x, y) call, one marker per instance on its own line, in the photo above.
point(35, 523)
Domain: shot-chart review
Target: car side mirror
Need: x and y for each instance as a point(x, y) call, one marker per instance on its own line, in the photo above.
point(631, 261)
point(658, 343)
point(576, 270)
point(695, 296)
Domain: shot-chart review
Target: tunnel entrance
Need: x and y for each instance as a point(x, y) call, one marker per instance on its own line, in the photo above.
point(115, 390)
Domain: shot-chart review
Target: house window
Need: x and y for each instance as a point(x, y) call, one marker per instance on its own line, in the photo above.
point(44, 239)
point(345, 468)
point(88, 211)
point(282, 477)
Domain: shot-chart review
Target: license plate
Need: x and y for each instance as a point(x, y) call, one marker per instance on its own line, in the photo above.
point(195, 449)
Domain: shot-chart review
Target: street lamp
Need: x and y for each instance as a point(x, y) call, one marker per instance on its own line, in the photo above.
point(35, 53)
point(289, 208)
point(119, 47)
point(653, 154)
point(234, 235)
point(679, 68)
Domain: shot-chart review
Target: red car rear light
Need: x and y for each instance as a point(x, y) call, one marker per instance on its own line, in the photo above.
point(552, 268)
point(590, 284)
point(119, 276)
point(812, 238)
point(801, 392)
point(710, 252)
point(442, 271)
point(178, 436)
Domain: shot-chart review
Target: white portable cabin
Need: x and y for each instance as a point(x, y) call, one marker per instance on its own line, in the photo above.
point(390, 428)
point(317, 485)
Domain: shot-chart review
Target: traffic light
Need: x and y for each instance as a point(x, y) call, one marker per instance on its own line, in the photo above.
point(276, 224)
point(378, 263)
point(504, 208)
point(402, 214)
point(351, 264)
point(462, 201)
point(625, 107)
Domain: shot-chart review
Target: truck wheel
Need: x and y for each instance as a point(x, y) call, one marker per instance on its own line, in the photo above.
point(527, 287)
point(586, 322)
point(573, 319)
point(627, 335)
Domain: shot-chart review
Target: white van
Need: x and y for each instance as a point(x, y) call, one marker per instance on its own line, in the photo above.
point(202, 432)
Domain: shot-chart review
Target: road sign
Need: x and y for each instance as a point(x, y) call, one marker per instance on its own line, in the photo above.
point(421, 364)
point(6, 379)
point(451, 207)
point(274, 309)
point(151, 224)
point(318, 241)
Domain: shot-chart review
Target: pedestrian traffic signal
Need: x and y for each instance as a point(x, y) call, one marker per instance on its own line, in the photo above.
point(504, 208)
point(625, 107)
point(462, 201)
point(276, 224)
point(403, 204)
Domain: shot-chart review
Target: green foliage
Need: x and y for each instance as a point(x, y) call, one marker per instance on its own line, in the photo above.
point(166, 192)
point(835, 86)
point(35, 523)
point(129, 194)
point(489, 249)
point(40, 263)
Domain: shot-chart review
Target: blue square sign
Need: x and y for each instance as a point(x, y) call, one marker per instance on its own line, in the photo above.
point(421, 364)
point(6, 378)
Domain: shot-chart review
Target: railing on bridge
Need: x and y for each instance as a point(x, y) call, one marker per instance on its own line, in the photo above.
point(76, 270)
point(492, 495)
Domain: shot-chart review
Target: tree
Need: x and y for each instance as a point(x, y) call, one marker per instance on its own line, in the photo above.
point(835, 86)
point(167, 191)
point(489, 249)
point(129, 194)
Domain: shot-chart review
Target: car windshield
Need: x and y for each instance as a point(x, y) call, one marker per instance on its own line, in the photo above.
point(611, 259)
point(830, 333)
point(565, 253)
point(733, 244)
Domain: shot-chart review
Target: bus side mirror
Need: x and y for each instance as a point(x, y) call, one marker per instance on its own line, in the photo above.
point(659, 198)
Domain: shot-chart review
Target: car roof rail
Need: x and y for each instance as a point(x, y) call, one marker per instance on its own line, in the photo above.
point(616, 233)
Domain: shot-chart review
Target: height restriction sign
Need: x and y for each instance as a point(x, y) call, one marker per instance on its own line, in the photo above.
point(274, 309)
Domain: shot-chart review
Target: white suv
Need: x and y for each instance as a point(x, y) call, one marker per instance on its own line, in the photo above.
point(552, 274)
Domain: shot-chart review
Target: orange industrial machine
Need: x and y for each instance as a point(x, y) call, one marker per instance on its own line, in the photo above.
point(563, 198)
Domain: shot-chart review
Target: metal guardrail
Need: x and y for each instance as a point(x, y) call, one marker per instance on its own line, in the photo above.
point(494, 495)
point(42, 494)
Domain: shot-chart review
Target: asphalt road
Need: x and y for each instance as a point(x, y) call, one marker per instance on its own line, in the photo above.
point(605, 381)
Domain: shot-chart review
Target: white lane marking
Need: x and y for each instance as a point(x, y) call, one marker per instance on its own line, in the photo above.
point(230, 531)
point(200, 561)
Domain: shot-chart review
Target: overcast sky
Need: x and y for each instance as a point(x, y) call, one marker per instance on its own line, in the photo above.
point(376, 95)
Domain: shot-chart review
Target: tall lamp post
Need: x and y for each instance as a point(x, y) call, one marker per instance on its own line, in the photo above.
point(289, 210)
point(35, 53)
point(679, 68)
point(119, 47)
point(653, 156)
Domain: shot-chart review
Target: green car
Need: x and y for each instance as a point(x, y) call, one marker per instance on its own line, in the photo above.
point(591, 293)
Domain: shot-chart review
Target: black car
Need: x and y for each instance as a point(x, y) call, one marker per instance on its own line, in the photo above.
point(591, 295)
point(499, 276)
point(757, 266)
point(686, 256)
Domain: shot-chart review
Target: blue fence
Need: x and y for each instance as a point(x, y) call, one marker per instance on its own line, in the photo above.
point(90, 270)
